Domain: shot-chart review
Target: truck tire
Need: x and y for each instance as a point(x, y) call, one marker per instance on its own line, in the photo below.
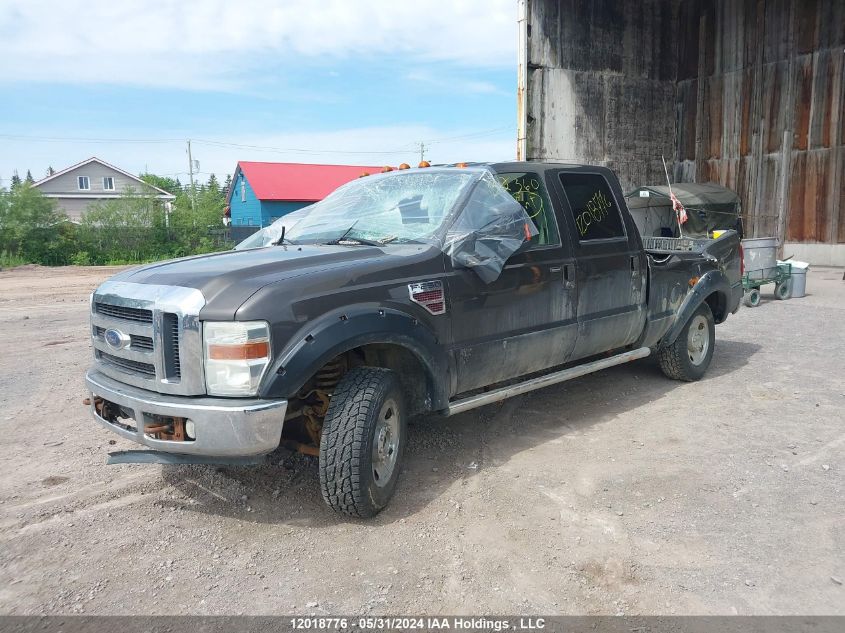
point(689, 356)
point(363, 440)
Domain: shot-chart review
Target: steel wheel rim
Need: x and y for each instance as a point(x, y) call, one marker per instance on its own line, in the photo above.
point(698, 340)
point(386, 443)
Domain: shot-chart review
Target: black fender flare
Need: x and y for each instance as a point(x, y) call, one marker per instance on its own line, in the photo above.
point(712, 281)
point(320, 340)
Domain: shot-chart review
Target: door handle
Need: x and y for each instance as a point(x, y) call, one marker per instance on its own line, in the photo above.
point(569, 276)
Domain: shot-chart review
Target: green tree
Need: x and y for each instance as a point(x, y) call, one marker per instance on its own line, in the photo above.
point(213, 184)
point(135, 227)
point(130, 228)
point(170, 185)
point(197, 229)
point(32, 229)
point(50, 172)
point(29, 179)
point(16, 181)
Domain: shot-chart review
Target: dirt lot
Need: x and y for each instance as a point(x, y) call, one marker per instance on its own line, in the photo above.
point(621, 492)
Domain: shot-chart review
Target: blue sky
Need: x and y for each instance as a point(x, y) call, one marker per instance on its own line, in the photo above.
point(278, 80)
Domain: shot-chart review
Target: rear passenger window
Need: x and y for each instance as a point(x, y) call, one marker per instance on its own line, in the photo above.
point(527, 189)
point(596, 215)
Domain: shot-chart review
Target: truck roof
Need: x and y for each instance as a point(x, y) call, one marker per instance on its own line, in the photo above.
point(523, 165)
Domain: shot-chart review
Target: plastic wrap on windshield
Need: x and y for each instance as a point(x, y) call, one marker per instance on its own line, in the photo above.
point(466, 213)
point(491, 227)
point(272, 233)
point(396, 207)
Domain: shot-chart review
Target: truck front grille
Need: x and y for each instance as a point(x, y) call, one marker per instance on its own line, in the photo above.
point(124, 313)
point(159, 342)
point(140, 343)
point(152, 343)
point(127, 365)
point(170, 337)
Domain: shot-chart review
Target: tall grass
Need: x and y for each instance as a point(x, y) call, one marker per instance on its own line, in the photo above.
point(10, 260)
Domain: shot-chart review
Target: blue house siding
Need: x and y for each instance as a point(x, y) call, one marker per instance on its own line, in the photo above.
point(274, 209)
point(247, 210)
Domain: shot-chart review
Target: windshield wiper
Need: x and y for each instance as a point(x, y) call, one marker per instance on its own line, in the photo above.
point(353, 240)
point(345, 239)
point(282, 239)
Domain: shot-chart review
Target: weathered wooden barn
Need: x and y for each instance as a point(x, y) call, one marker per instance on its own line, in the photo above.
point(746, 93)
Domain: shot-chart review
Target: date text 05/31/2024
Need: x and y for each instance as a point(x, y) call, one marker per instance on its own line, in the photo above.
point(417, 623)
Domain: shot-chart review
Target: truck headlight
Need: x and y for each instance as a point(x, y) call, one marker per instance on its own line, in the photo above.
point(236, 355)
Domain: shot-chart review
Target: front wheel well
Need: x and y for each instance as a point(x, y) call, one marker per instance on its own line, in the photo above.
point(413, 376)
point(415, 379)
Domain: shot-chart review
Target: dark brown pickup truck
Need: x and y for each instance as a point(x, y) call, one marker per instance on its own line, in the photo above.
point(430, 290)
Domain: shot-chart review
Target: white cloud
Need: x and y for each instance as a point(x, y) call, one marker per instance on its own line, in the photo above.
point(348, 146)
point(210, 43)
point(451, 82)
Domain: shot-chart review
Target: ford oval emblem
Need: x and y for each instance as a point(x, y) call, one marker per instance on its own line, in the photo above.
point(116, 339)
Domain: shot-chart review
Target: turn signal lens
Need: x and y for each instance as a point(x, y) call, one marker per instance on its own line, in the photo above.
point(424, 163)
point(404, 166)
point(246, 351)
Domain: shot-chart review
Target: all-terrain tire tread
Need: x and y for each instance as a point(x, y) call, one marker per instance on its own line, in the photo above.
point(673, 358)
point(346, 429)
point(670, 361)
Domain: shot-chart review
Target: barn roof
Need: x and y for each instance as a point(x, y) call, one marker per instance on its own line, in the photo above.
point(298, 182)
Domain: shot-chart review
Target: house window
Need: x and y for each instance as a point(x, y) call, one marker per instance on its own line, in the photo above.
point(83, 183)
point(108, 183)
point(243, 191)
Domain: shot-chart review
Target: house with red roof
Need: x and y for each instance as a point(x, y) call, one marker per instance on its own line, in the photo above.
point(263, 192)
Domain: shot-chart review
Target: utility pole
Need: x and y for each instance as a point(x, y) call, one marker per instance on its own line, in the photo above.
point(422, 151)
point(191, 174)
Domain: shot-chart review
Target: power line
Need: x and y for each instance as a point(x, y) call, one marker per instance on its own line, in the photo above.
point(401, 150)
point(298, 150)
point(479, 134)
point(62, 139)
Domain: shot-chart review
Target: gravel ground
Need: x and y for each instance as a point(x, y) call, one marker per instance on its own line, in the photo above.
point(620, 492)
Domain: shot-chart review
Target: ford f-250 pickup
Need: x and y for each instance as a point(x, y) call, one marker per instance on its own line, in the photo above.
point(429, 290)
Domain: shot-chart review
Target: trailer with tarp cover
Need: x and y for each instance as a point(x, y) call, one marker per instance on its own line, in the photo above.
point(709, 207)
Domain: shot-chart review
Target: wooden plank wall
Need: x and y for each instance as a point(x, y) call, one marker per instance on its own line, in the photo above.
point(760, 103)
point(747, 93)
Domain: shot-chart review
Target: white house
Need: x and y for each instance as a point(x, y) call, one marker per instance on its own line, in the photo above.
point(90, 181)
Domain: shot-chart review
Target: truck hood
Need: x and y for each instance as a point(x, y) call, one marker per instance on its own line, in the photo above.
point(228, 279)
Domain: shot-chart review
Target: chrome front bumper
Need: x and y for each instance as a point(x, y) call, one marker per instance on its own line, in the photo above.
point(223, 426)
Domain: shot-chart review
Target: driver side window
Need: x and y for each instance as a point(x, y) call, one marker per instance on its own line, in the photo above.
point(528, 189)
